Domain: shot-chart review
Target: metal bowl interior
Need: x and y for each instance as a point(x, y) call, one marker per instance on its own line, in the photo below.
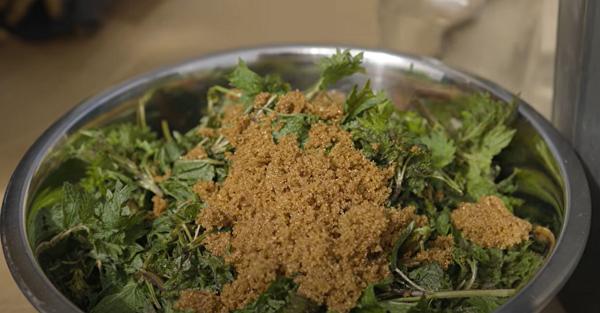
point(179, 94)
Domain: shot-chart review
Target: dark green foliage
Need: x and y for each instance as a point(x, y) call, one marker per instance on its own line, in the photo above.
point(130, 299)
point(479, 305)
point(97, 239)
point(498, 268)
point(280, 297)
point(369, 303)
point(431, 277)
point(251, 84)
point(296, 124)
point(334, 68)
point(482, 133)
point(441, 146)
point(247, 81)
point(363, 100)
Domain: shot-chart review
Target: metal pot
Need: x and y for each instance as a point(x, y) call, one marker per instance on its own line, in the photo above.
point(183, 88)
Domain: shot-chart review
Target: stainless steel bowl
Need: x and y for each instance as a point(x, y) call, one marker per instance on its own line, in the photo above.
point(184, 88)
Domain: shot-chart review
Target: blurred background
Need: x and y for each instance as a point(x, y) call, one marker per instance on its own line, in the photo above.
point(54, 53)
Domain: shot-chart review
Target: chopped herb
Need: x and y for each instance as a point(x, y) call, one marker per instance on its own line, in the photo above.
point(151, 215)
point(336, 67)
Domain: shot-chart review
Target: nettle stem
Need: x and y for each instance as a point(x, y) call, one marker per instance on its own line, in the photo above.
point(164, 125)
point(58, 238)
point(312, 91)
point(457, 294)
point(141, 109)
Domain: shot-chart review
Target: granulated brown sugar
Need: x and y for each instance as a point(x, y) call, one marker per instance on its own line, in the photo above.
point(292, 102)
point(205, 188)
point(439, 251)
point(399, 219)
point(196, 153)
point(159, 205)
point(327, 105)
point(198, 301)
point(218, 243)
point(234, 122)
point(489, 224)
point(315, 214)
point(261, 99)
point(162, 178)
point(207, 132)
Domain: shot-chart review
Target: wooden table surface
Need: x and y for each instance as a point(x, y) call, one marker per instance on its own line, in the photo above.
point(41, 81)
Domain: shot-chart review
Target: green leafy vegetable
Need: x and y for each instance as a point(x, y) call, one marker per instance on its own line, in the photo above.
point(441, 146)
point(443, 223)
point(130, 299)
point(280, 297)
point(251, 84)
point(120, 234)
point(497, 268)
point(298, 125)
point(430, 276)
point(247, 81)
point(369, 303)
point(336, 67)
point(363, 100)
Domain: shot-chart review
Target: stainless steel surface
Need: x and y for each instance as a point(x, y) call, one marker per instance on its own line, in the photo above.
point(296, 64)
point(576, 113)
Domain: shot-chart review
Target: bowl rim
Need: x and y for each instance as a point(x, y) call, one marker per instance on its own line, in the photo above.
point(42, 294)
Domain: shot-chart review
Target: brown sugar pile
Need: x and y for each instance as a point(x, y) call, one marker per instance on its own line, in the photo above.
point(198, 301)
point(327, 106)
point(315, 214)
point(489, 224)
point(159, 205)
point(197, 153)
point(439, 251)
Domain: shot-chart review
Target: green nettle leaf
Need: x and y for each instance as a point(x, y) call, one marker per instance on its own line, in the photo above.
point(499, 268)
point(185, 174)
point(193, 170)
point(338, 66)
point(299, 304)
point(398, 244)
point(178, 189)
point(480, 305)
point(519, 266)
point(297, 125)
point(368, 297)
point(274, 84)
point(114, 209)
point(363, 100)
point(44, 218)
point(333, 68)
point(247, 81)
point(275, 299)
point(168, 154)
point(496, 140)
point(479, 176)
point(77, 206)
point(430, 276)
point(484, 134)
point(397, 307)
point(538, 185)
point(251, 84)
point(442, 223)
point(368, 302)
point(479, 113)
point(441, 146)
point(130, 299)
